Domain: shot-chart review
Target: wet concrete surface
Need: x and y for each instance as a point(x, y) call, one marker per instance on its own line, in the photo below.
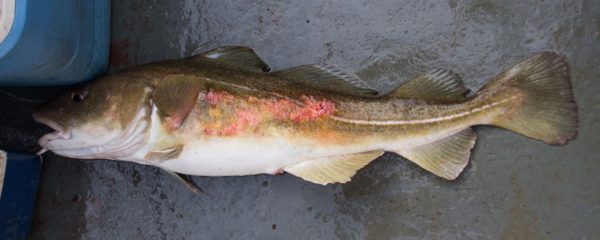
point(514, 187)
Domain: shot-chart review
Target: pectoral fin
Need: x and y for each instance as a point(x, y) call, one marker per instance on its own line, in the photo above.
point(161, 155)
point(446, 157)
point(192, 186)
point(328, 78)
point(175, 96)
point(336, 169)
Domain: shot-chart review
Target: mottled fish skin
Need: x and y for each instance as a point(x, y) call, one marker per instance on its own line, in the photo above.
point(236, 102)
point(217, 114)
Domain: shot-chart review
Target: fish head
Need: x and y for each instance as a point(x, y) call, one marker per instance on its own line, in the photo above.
point(107, 118)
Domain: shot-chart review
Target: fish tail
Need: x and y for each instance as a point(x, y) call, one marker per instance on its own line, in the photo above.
point(545, 108)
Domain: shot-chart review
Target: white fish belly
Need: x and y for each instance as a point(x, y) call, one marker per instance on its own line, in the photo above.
point(248, 156)
point(233, 156)
point(243, 156)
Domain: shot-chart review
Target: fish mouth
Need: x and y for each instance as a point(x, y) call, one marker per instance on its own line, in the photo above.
point(59, 133)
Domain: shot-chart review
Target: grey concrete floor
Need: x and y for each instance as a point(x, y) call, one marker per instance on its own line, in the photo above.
point(514, 187)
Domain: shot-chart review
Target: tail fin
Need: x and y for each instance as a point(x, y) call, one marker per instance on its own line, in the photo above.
point(548, 111)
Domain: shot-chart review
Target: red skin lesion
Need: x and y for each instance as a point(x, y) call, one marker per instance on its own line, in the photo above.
point(210, 131)
point(244, 119)
point(255, 110)
point(311, 109)
point(173, 123)
point(213, 98)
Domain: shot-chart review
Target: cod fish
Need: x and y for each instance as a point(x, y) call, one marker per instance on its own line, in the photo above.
point(223, 113)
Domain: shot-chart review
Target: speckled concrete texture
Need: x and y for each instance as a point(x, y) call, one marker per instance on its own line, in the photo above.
point(514, 187)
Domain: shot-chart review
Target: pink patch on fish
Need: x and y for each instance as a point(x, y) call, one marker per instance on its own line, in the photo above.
point(311, 109)
point(210, 131)
point(244, 119)
point(280, 108)
point(214, 98)
point(173, 122)
point(246, 114)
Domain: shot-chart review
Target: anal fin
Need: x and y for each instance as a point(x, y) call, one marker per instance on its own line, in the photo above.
point(335, 169)
point(446, 157)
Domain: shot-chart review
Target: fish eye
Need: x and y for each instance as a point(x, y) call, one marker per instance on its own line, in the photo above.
point(78, 96)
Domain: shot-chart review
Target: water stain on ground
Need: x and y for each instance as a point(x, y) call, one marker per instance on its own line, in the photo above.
point(522, 223)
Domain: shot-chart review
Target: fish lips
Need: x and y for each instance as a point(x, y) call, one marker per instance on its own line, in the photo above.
point(60, 132)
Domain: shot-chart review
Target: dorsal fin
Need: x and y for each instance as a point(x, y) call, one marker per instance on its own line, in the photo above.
point(446, 157)
point(237, 56)
point(328, 78)
point(438, 86)
point(335, 169)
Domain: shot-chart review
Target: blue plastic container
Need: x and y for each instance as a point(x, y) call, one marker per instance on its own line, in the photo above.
point(17, 201)
point(55, 42)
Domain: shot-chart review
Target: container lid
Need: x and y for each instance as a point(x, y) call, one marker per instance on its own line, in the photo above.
point(7, 15)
